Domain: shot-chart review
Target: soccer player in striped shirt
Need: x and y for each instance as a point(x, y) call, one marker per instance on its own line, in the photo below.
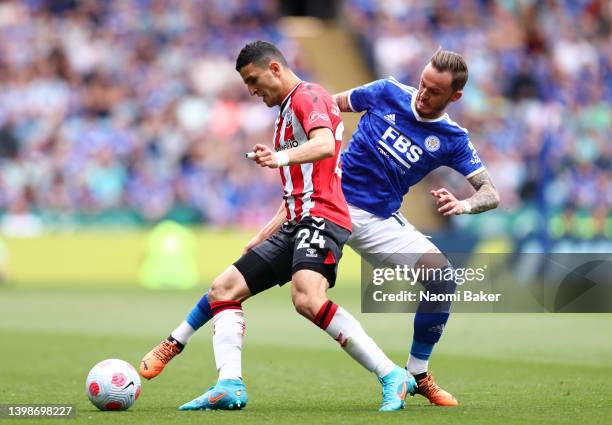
point(301, 244)
point(403, 135)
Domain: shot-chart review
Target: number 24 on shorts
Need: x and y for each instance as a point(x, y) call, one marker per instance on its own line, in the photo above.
point(316, 239)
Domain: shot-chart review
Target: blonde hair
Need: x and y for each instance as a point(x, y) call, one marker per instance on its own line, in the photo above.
point(445, 60)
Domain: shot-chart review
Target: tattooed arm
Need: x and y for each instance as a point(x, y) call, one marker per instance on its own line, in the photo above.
point(485, 198)
point(342, 100)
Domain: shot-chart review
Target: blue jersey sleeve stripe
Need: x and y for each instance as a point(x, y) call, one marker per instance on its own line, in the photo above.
point(448, 119)
point(473, 173)
point(348, 97)
point(404, 87)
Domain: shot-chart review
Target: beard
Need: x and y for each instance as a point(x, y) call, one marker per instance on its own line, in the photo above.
point(435, 111)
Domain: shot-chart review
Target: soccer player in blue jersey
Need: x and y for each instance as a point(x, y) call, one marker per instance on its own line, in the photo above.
point(403, 135)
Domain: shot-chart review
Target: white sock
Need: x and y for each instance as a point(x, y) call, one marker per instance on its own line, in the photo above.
point(229, 326)
point(183, 333)
point(345, 329)
point(416, 366)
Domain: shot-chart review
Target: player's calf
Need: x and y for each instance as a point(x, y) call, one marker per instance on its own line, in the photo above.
point(429, 323)
point(346, 330)
point(308, 292)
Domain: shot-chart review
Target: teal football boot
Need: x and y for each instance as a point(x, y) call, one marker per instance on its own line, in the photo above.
point(227, 394)
point(395, 386)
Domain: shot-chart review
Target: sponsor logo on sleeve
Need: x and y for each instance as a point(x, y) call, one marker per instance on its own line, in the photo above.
point(315, 116)
point(475, 158)
point(335, 109)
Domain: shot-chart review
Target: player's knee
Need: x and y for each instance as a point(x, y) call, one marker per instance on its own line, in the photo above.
point(308, 292)
point(439, 274)
point(218, 291)
point(305, 305)
point(226, 287)
point(300, 302)
point(440, 281)
point(433, 259)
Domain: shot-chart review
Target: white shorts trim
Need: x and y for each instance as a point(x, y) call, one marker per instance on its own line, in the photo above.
point(378, 239)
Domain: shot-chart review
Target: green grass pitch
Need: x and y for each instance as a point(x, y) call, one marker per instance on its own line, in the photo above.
point(519, 369)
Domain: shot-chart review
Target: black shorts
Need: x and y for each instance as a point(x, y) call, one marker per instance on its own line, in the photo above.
point(313, 244)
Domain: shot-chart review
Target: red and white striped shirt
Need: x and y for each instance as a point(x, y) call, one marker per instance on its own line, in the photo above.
point(311, 189)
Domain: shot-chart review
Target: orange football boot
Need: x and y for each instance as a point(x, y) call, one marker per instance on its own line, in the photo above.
point(428, 388)
point(154, 362)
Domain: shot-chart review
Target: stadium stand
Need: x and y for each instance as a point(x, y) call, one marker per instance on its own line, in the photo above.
point(130, 111)
point(537, 103)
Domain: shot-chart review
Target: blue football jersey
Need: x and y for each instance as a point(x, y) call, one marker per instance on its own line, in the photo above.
point(393, 148)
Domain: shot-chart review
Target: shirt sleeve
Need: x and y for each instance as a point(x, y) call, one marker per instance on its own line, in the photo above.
point(366, 96)
point(312, 110)
point(465, 159)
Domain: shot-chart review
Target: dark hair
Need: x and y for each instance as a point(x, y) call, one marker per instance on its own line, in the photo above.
point(260, 53)
point(445, 60)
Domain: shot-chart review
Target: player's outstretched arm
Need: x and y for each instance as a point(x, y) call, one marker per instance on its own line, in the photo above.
point(485, 198)
point(342, 100)
point(321, 144)
point(268, 230)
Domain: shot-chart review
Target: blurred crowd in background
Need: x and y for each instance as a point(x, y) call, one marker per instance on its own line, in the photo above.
point(537, 104)
point(131, 111)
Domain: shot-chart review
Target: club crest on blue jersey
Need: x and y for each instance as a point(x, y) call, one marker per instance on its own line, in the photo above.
point(432, 143)
point(393, 148)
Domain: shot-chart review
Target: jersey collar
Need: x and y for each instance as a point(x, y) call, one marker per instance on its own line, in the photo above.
point(284, 102)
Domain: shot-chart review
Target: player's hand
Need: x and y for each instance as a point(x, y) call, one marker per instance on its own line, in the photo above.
point(447, 203)
point(264, 156)
point(257, 239)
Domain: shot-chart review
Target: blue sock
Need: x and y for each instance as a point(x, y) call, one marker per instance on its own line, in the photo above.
point(200, 314)
point(431, 316)
point(428, 329)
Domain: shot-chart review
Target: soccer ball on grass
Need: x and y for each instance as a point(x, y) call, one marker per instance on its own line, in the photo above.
point(113, 384)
